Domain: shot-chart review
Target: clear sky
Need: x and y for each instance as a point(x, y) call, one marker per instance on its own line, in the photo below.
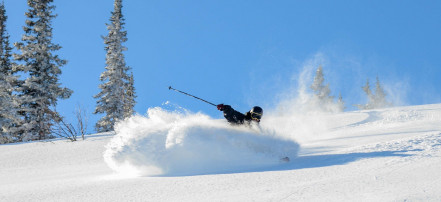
point(248, 52)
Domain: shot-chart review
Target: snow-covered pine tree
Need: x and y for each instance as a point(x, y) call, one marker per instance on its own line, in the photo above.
point(377, 100)
point(380, 96)
point(340, 103)
point(322, 93)
point(116, 99)
point(8, 105)
point(39, 92)
point(130, 97)
point(370, 96)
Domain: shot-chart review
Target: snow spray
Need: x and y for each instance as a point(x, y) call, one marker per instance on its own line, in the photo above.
point(184, 143)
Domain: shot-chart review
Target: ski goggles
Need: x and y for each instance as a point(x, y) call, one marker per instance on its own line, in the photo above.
point(256, 116)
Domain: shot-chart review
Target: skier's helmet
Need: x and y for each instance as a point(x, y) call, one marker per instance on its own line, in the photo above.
point(256, 113)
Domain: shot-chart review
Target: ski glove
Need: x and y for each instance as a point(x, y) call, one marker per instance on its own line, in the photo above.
point(221, 107)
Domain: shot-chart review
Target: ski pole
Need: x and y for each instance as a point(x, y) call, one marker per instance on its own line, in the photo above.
point(170, 88)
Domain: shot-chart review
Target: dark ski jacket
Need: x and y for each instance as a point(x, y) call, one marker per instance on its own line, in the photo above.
point(236, 117)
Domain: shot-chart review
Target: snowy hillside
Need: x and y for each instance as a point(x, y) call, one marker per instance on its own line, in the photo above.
point(380, 155)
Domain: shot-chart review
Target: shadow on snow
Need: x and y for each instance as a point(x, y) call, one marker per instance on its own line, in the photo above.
point(314, 161)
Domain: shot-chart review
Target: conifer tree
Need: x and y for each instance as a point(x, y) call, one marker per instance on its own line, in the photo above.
point(380, 95)
point(8, 105)
point(322, 94)
point(130, 97)
point(321, 91)
point(370, 96)
point(340, 103)
point(377, 100)
point(40, 91)
point(116, 98)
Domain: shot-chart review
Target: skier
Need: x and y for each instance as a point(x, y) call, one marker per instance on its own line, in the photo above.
point(235, 117)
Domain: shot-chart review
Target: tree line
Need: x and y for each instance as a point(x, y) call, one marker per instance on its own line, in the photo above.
point(30, 86)
point(322, 95)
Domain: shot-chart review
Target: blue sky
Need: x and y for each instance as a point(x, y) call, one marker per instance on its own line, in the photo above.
point(247, 53)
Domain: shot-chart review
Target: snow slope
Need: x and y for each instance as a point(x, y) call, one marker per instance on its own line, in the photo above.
point(379, 155)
